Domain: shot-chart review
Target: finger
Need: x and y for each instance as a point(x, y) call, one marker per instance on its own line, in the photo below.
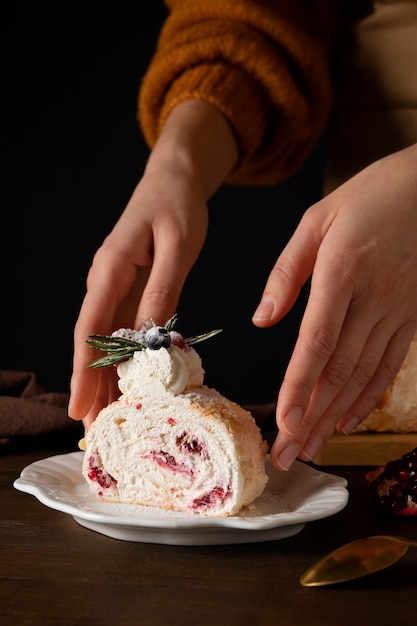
point(284, 451)
point(298, 425)
point(105, 394)
point(326, 413)
point(96, 317)
point(390, 365)
point(373, 374)
point(291, 271)
point(318, 337)
point(305, 393)
point(349, 374)
point(126, 315)
point(349, 366)
point(91, 389)
point(171, 265)
point(328, 351)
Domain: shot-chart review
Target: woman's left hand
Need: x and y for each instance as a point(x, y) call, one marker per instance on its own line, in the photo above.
point(359, 246)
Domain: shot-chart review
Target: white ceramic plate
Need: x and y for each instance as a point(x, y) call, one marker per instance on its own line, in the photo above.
point(290, 500)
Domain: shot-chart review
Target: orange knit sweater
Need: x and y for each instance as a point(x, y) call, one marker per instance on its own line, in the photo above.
point(263, 63)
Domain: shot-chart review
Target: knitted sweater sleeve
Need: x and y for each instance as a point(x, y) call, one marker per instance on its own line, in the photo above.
point(263, 63)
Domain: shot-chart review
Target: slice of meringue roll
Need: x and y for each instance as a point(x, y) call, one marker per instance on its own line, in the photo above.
point(194, 452)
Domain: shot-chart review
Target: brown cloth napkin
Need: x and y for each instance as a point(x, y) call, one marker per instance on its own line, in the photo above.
point(28, 410)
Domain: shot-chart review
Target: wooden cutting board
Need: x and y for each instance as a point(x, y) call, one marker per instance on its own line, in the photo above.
point(365, 448)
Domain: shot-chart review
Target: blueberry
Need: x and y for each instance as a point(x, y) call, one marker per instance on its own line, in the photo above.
point(157, 337)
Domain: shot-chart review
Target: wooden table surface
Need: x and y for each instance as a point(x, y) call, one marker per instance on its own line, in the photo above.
point(53, 571)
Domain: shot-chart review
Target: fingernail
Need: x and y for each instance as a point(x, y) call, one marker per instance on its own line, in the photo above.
point(287, 455)
point(264, 310)
point(350, 425)
point(313, 446)
point(292, 420)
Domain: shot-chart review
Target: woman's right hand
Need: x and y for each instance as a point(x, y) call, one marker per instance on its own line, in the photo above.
point(140, 269)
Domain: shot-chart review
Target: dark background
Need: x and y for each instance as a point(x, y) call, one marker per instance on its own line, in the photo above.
point(72, 152)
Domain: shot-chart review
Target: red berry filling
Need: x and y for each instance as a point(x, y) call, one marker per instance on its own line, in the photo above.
point(97, 474)
point(191, 445)
point(394, 486)
point(211, 498)
point(167, 461)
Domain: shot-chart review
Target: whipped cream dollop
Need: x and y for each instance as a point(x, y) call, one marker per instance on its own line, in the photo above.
point(151, 373)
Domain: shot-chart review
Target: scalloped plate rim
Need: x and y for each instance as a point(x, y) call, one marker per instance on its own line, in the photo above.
point(308, 493)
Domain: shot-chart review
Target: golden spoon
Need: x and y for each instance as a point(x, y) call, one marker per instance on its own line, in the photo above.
point(356, 559)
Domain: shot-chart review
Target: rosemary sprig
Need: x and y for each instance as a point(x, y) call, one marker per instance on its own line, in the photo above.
point(170, 324)
point(113, 357)
point(190, 341)
point(120, 348)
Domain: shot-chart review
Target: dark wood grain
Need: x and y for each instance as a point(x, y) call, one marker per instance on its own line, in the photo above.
point(55, 572)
